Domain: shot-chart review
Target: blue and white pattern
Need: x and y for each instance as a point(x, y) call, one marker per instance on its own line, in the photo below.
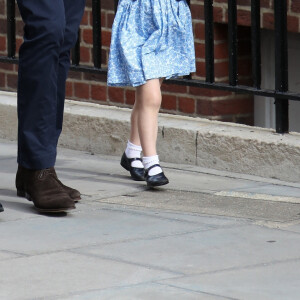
point(150, 39)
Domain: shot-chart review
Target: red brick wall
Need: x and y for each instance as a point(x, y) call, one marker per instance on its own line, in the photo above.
point(218, 105)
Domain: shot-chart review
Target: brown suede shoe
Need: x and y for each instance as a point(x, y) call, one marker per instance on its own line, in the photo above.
point(42, 187)
point(74, 194)
point(22, 173)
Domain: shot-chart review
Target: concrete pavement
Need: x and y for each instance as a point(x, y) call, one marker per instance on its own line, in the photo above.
point(207, 235)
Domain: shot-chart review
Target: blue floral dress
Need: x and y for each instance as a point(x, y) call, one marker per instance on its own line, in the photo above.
point(150, 39)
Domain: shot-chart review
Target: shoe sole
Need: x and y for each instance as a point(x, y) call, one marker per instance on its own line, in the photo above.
point(23, 194)
point(1, 209)
point(43, 210)
point(157, 184)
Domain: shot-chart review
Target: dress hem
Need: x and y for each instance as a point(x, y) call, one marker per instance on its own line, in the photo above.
point(167, 77)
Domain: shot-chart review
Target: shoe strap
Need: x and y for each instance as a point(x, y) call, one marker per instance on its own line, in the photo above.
point(134, 159)
point(156, 165)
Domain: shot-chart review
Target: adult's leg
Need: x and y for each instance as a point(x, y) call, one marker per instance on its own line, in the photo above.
point(73, 12)
point(37, 105)
point(37, 86)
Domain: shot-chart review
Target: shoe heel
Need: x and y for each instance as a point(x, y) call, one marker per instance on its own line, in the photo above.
point(21, 193)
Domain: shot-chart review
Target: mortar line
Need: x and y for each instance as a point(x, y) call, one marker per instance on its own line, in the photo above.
point(196, 291)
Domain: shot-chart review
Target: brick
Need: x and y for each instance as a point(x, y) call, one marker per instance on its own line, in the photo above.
point(199, 31)
point(2, 80)
point(265, 3)
point(295, 6)
point(293, 24)
point(244, 17)
point(208, 92)
point(81, 90)
point(221, 50)
point(12, 81)
point(232, 106)
point(169, 102)
point(2, 8)
point(106, 37)
point(199, 50)
point(99, 92)
point(85, 55)
point(69, 89)
point(88, 3)
point(3, 25)
point(87, 36)
point(130, 97)
point(85, 18)
point(74, 75)
point(94, 77)
point(200, 69)
point(104, 57)
point(19, 28)
point(204, 107)
point(103, 19)
point(218, 14)
point(221, 69)
point(19, 42)
point(116, 94)
point(5, 66)
point(172, 88)
point(268, 21)
point(197, 11)
point(108, 4)
point(243, 2)
point(2, 43)
point(186, 105)
point(110, 19)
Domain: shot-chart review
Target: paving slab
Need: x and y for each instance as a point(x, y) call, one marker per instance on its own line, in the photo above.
point(276, 281)
point(79, 229)
point(205, 251)
point(64, 272)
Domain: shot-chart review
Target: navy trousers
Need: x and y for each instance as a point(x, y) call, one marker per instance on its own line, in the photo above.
point(50, 32)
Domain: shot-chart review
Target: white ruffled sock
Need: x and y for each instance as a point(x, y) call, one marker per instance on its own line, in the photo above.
point(134, 151)
point(149, 161)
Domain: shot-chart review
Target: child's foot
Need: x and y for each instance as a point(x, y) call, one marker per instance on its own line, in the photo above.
point(155, 180)
point(154, 174)
point(137, 173)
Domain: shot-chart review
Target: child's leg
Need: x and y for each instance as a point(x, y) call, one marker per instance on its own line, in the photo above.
point(134, 132)
point(148, 101)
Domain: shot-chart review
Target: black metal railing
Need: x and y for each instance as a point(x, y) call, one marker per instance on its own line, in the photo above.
point(280, 93)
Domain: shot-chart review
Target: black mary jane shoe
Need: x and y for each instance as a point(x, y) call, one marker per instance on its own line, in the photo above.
point(1, 208)
point(136, 173)
point(155, 180)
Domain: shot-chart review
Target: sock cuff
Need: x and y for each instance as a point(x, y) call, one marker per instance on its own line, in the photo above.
point(150, 160)
point(133, 146)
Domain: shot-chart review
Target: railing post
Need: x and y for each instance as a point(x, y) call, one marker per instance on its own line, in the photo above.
point(97, 55)
point(11, 29)
point(209, 41)
point(232, 40)
point(76, 51)
point(255, 42)
point(281, 65)
point(116, 4)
